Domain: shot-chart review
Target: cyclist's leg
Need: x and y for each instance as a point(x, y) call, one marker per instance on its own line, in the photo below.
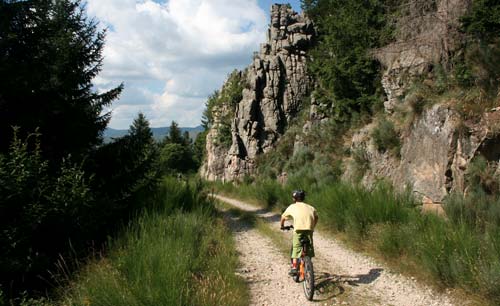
point(295, 254)
point(310, 251)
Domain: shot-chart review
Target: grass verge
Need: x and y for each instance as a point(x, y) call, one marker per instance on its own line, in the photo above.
point(177, 254)
point(461, 252)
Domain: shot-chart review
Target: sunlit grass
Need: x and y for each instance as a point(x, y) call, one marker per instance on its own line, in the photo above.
point(180, 255)
point(460, 252)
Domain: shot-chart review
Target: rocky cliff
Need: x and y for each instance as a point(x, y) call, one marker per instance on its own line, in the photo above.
point(440, 143)
point(436, 147)
point(275, 85)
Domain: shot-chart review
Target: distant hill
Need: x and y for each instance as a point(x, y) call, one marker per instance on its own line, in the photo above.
point(158, 133)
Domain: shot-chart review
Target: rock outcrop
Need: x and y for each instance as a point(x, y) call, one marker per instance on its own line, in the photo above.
point(428, 33)
point(436, 148)
point(276, 84)
point(435, 153)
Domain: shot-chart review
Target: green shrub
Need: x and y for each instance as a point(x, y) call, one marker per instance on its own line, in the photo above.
point(386, 138)
point(229, 96)
point(482, 174)
point(37, 203)
point(224, 136)
point(361, 162)
point(483, 20)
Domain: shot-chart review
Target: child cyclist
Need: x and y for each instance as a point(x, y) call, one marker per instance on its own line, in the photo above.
point(305, 219)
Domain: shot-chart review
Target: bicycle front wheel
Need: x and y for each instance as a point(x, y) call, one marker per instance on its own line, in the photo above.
point(308, 278)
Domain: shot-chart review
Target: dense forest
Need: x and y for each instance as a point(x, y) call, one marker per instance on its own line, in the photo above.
point(62, 190)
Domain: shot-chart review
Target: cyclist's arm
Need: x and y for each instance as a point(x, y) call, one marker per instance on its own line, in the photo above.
point(282, 223)
point(285, 216)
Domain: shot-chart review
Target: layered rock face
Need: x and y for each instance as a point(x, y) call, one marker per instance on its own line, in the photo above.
point(276, 84)
point(438, 147)
point(428, 33)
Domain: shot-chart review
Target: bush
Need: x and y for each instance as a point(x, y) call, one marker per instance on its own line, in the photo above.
point(386, 138)
point(482, 174)
point(483, 20)
point(361, 162)
point(41, 209)
point(224, 136)
point(175, 157)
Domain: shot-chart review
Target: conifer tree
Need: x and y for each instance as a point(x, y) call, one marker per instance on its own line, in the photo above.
point(174, 134)
point(50, 52)
point(141, 130)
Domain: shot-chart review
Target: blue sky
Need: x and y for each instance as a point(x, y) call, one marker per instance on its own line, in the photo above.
point(172, 54)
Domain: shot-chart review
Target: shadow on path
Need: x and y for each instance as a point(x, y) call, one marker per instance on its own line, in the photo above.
point(330, 285)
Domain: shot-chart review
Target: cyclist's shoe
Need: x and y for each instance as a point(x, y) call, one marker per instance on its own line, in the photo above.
point(292, 272)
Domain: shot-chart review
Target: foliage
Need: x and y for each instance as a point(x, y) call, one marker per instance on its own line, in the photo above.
point(175, 135)
point(141, 130)
point(61, 193)
point(177, 152)
point(224, 136)
point(315, 155)
point(474, 76)
point(49, 54)
point(175, 157)
point(348, 75)
point(385, 137)
point(166, 258)
point(229, 96)
point(36, 203)
point(482, 175)
point(199, 147)
point(207, 119)
point(222, 104)
point(361, 162)
point(483, 20)
point(124, 169)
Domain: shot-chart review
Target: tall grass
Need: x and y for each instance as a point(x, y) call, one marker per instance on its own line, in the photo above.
point(178, 253)
point(461, 251)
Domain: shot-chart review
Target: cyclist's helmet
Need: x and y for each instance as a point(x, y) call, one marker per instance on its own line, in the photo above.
point(299, 195)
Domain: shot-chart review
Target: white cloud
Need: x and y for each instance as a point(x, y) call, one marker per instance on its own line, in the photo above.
point(172, 55)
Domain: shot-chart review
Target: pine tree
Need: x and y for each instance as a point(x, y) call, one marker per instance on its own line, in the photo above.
point(141, 130)
point(174, 134)
point(49, 54)
point(186, 139)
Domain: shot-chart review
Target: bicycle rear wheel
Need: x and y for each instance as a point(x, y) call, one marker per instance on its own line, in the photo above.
point(308, 278)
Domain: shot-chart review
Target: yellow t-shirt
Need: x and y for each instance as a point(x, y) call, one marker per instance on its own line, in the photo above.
point(303, 215)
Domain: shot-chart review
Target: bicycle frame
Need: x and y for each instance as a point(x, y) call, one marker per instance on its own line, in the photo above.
point(305, 265)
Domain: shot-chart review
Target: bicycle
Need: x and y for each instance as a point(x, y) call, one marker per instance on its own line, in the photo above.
point(305, 267)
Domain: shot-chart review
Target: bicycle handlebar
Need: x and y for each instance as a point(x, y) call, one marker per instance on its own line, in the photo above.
point(287, 228)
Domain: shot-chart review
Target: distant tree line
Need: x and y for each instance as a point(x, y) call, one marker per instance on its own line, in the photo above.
point(62, 191)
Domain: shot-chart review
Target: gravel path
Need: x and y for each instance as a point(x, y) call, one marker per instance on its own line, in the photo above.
point(343, 277)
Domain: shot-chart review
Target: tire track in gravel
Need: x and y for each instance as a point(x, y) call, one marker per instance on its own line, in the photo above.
point(350, 278)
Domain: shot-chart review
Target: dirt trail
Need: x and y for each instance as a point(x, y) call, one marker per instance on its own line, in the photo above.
point(343, 277)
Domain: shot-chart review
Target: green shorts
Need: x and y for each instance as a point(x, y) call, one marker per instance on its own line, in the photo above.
point(297, 248)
